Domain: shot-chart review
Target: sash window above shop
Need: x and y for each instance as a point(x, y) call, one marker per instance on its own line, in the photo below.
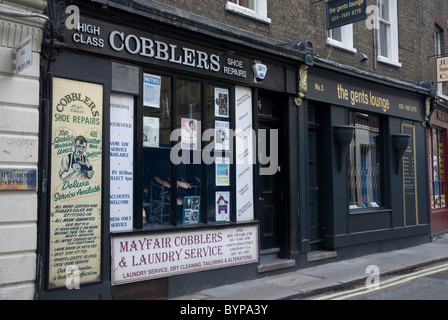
point(180, 176)
point(365, 154)
point(342, 38)
point(388, 32)
point(250, 4)
point(255, 9)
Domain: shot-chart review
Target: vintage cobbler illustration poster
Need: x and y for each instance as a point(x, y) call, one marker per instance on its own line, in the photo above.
point(75, 185)
point(191, 209)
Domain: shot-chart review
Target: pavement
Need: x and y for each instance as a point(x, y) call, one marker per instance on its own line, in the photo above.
point(328, 277)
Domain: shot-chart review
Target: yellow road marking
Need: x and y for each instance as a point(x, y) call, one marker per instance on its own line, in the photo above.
point(384, 284)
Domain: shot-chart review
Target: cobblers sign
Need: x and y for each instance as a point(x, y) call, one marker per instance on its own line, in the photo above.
point(118, 41)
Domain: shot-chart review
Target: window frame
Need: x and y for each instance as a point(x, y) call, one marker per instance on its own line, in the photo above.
point(381, 174)
point(206, 170)
point(346, 42)
point(442, 137)
point(392, 40)
point(259, 13)
point(438, 50)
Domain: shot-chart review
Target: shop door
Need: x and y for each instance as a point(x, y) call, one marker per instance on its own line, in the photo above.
point(271, 188)
point(313, 190)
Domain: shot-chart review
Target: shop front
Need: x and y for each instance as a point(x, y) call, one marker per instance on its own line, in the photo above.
point(164, 163)
point(366, 189)
point(437, 146)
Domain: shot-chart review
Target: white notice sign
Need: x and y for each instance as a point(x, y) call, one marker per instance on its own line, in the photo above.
point(23, 55)
point(121, 162)
point(244, 154)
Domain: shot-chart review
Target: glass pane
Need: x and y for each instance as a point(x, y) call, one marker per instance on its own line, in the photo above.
point(442, 195)
point(431, 168)
point(384, 9)
point(311, 114)
point(336, 34)
point(437, 168)
point(383, 41)
point(188, 192)
point(157, 114)
point(250, 4)
point(437, 41)
point(364, 162)
point(436, 195)
point(265, 107)
point(189, 106)
point(156, 186)
point(434, 141)
point(435, 164)
point(431, 190)
point(217, 109)
point(441, 169)
point(188, 174)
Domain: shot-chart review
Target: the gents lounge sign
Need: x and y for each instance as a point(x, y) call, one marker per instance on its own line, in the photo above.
point(367, 98)
point(343, 12)
point(76, 173)
point(105, 38)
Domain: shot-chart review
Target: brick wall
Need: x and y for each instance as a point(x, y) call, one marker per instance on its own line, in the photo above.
point(293, 20)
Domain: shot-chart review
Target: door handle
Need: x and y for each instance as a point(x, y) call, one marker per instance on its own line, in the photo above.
point(260, 199)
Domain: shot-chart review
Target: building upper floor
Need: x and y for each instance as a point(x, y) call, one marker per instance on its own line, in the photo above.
point(400, 39)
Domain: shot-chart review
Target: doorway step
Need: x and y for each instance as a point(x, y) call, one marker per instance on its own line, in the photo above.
point(269, 261)
point(320, 255)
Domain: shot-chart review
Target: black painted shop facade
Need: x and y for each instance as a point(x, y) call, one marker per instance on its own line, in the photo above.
point(176, 186)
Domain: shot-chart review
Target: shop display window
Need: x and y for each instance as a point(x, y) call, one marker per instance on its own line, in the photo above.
point(436, 142)
point(365, 162)
point(179, 187)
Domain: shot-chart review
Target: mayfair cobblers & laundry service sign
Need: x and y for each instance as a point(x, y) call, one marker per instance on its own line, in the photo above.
point(144, 257)
point(118, 41)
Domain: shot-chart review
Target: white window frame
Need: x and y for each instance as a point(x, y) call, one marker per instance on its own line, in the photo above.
point(392, 37)
point(346, 42)
point(260, 12)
